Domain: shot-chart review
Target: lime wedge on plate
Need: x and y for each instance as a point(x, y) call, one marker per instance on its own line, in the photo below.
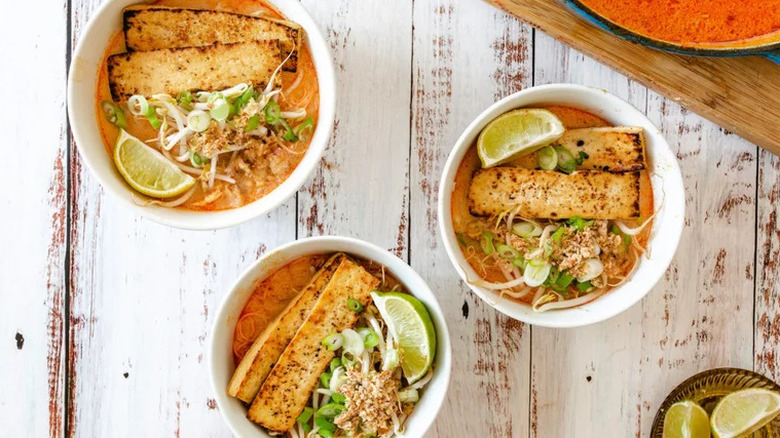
point(686, 419)
point(744, 412)
point(516, 133)
point(412, 328)
point(147, 170)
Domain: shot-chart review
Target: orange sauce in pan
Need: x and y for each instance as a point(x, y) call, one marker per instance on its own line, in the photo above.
point(307, 90)
point(463, 221)
point(692, 21)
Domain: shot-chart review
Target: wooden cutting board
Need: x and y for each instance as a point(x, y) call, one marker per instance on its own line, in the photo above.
point(740, 94)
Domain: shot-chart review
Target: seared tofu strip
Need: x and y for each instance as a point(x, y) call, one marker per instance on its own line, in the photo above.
point(296, 375)
point(195, 68)
point(158, 27)
point(265, 351)
point(542, 194)
point(618, 149)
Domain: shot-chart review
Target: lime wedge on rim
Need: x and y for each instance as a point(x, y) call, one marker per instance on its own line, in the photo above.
point(744, 412)
point(686, 419)
point(147, 170)
point(412, 328)
point(516, 133)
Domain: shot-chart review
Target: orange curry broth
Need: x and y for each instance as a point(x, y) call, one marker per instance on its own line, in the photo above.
point(274, 293)
point(572, 118)
point(692, 21)
point(139, 127)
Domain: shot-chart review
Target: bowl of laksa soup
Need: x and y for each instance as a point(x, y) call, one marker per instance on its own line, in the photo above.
point(329, 337)
point(561, 205)
point(202, 114)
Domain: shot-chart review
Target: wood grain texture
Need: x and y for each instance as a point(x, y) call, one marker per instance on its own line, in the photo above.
point(466, 55)
point(767, 300)
point(33, 214)
point(724, 90)
point(361, 189)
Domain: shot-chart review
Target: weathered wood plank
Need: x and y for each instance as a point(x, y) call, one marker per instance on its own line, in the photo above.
point(767, 300)
point(33, 218)
point(583, 374)
point(361, 188)
point(466, 56)
point(142, 301)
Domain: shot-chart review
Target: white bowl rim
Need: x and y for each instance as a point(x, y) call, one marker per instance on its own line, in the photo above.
point(244, 284)
point(668, 223)
point(84, 123)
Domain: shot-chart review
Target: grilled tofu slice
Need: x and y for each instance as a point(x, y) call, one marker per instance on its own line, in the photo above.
point(194, 68)
point(540, 194)
point(611, 149)
point(151, 27)
point(296, 375)
point(265, 351)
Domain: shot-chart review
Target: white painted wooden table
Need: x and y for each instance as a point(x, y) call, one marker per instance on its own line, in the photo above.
point(104, 315)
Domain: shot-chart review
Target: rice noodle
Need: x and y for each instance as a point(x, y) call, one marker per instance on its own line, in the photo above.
point(422, 382)
point(213, 170)
point(235, 90)
point(516, 295)
point(542, 240)
point(176, 202)
point(574, 302)
point(270, 85)
point(297, 114)
point(634, 231)
point(495, 286)
point(296, 82)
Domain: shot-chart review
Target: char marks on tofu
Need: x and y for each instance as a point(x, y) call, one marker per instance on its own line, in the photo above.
point(148, 28)
point(554, 195)
point(193, 68)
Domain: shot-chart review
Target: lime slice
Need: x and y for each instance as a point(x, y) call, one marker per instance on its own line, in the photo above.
point(411, 327)
point(147, 170)
point(686, 419)
point(516, 133)
point(744, 412)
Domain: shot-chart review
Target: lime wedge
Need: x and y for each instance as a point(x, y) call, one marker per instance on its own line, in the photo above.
point(686, 419)
point(411, 327)
point(147, 170)
point(516, 133)
point(744, 412)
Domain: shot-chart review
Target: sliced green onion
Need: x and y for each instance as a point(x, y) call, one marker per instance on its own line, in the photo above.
point(215, 96)
point(197, 160)
point(409, 395)
point(306, 427)
point(354, 305)
point(526, 229)
point(331, 410)
point(243, 99)
point(335, 363)
point(198, 120)
point(564, 279)
point(536, 272)
point(324, 425)
point(305, 415)
point(272, 112)
point(185, 100)
point(114, 114)
point(252, 123)
point(338, 398)
point(289, 134)
point(138, 105)
point(579, 223)
point(558, 234)
point(566, 161)
point(333, 342)
point(547, 158)
point(626, 238)
point(506, 251)
point(221, 110)
point(520, 262)
point(581, 157)
point(325, 379)
point(584, 286)
point(486, 242)
point(151, 116)
point(370, 338)
point(307, 124)
point(347, 359)
point(389, 359)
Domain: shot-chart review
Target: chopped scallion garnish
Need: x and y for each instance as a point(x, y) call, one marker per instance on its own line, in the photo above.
point(547, 158)
point(252, 123)
point(220, 110)
point(566, 161)
point(114, 114)
point(579, 223)
point(151, 116)
point(333, 342)
point(335, 363)
point(305, 415)
point(273, 114)
point(325, 379)
point(584, 286)
point(581, 157)
point(185, 100)
point(558, 234)
point(486, 242)
point(354, 305)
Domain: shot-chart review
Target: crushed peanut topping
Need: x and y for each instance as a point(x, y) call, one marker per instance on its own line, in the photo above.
point(372, 399)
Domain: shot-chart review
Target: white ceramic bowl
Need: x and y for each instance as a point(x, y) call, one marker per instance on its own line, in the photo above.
point(667, 188)
point(82, 85)
point(220, 354)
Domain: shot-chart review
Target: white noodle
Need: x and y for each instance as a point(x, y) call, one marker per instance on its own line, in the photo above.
point(422, 382)
point(297, 114)
point(296, 82)
point(574, 302)
point(174, 203)
point(213, 170)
